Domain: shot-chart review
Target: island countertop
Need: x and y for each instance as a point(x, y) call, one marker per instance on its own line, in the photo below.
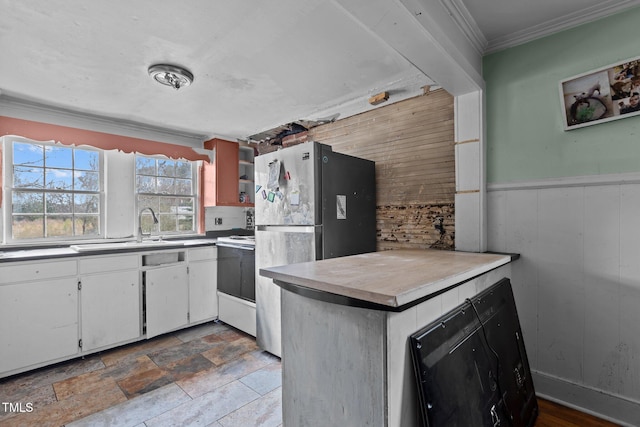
point(393, 279)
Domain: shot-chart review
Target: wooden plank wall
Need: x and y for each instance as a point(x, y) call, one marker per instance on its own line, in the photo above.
point(412, 143)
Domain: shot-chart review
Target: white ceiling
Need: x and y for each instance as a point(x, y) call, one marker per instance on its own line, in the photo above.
point(257, 65)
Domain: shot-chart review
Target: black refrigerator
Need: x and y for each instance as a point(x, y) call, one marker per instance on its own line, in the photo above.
point(311, 203)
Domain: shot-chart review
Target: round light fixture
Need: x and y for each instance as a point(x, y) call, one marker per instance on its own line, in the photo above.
point(171, 75)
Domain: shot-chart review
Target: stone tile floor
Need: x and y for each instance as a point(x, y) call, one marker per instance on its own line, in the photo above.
point(207, 375)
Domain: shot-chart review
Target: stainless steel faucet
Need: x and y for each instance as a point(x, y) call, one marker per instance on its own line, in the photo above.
point(140, 233)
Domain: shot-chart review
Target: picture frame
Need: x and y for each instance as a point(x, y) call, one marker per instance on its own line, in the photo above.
point(601, 95)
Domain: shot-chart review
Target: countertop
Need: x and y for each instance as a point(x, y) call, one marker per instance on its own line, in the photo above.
point(28, 254)
point(390, 279)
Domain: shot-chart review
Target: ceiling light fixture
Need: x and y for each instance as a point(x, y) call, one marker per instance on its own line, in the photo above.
point(171, 75)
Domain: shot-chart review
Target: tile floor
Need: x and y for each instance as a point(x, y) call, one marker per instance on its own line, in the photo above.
point(208, 375)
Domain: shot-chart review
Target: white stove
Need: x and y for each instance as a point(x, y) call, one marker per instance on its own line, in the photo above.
point(236, 282)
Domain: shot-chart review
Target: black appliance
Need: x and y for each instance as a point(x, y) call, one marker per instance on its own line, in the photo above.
point(236, 266)
point(471, 366)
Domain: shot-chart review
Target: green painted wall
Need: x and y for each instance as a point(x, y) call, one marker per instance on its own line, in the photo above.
point(525, 135)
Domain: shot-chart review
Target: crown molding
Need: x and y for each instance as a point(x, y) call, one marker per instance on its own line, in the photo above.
point(466, 23)
point(16, 107)
point(561, 23)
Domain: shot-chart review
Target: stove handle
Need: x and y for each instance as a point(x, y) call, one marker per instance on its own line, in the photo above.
point(231, 245)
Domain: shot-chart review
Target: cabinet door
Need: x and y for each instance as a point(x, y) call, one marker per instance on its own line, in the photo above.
point(38, 322)
point(167, 299)
point(226, 164)
point(110, 308)
point(203, 299)
point(221, 177)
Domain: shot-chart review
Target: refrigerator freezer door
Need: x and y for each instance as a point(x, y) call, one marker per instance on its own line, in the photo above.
point(348, 205)
point(286, 184)
point(277, 246)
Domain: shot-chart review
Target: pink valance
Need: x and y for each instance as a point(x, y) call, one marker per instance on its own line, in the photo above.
point(106, 141)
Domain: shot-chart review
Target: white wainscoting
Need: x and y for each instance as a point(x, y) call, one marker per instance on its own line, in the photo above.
point(577, 286)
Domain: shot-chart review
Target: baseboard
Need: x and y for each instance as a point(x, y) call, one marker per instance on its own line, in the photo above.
point(595, 402)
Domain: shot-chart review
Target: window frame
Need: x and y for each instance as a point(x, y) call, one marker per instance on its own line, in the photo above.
point(195, 196)
point(6, 144)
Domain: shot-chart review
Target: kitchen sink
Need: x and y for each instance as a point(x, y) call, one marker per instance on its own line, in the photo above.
point(123, 245)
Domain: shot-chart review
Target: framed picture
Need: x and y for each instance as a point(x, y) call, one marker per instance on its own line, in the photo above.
point(601, 95)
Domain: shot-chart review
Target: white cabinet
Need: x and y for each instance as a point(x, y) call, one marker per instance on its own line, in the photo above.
point(54, 310)
point(203, 272)
point(38, 314)
point(110, 299)
point(179, 293)
point(167, 299)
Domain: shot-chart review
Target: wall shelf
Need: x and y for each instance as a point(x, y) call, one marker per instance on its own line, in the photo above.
point(246, 155)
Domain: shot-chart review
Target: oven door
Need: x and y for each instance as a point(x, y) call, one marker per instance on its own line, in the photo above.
point(236, 271)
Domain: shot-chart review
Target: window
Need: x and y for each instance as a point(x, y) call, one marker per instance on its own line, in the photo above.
point(54, 191)
point(168, 187)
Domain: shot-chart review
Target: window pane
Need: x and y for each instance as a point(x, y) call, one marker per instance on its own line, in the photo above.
point(183, 169)
point(58, 157)
point(28, 154)
point(87, 225)
point(86, 160)
point(166, 168)
point(55, 173)
point(27, 226)
point(185, 223)
point(183, 186)
point(28, 177)
point(148, 225)
point(185, 205)
point(145, 166)
point(168, 223)
point(24, 202)
point(86, 181)
point(146, 184)
point(167, 205)
point(172, 178)
point(148, 202)
point(59, 203)
point(59, 179)
point(59, 225)
point(165, 186)
point(86, 203)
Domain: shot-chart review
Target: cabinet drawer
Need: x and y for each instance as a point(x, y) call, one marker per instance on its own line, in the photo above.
point(28, 271)
point(199, 254)
point(108, 263)
point(237, 312)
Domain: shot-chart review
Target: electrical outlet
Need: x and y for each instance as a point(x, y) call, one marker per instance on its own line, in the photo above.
point(218, 221)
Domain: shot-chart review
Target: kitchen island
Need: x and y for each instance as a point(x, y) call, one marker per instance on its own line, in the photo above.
point(345, 326)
